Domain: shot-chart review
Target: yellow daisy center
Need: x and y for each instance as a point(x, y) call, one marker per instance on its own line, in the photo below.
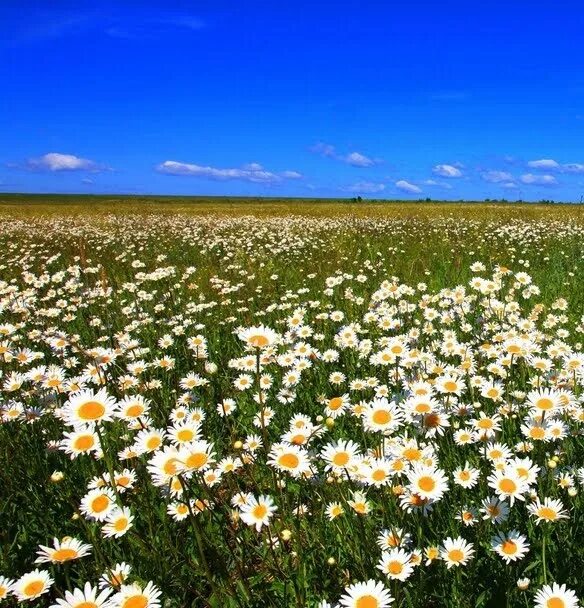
point(378, 475)
point(509, 547)
point(426, 483)
point(258, 341)
point(335, 403)
point(153, 442)
point(91, 410)
point(544, 403)
point(101, 503)
point(260, 511)
point(83, 443)
point(133, 411)
point(367, 601)
point(33, 588)
point(381, 417)
point(64, 555)
point(121, 524)
point(395, 567)
point(185, 435)
point(547, 513)
point(507, 485)
point(455, 555)
point(289, 461)
point(135, 601)
point(197, 460)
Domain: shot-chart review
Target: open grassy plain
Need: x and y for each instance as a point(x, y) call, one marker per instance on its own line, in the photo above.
point(248, 403)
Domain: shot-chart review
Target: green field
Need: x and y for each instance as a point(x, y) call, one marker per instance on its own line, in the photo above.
point(401, 381)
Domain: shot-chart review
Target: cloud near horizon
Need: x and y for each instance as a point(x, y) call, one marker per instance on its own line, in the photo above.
point(549, 164)
point(355, 159)
point(496, 177)
point(447, 171)
point(251, 172)
point(405, 186)
point(365, 188)
point(538, 180)
point(55, 161)
point(433, 182)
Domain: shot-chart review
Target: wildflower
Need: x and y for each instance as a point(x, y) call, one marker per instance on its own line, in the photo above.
point(389, 539)
point(340, 456)
point(511, 546)
point(115, 576)
point(508, 485)
point(195, 456)
point(258, 337)
point(258, 512)
point(62, 551)
point(118, 522)
point(83, 440)
point(427, 482)
point(88, 407)
point(555, 596)
point(359, 503)
point(130, 596)
point(550, 510)
point(466, 477)
point(456, 552)
point(32, 585)
point(381, 415)
point(494, 509)
point(370, 594)
point(290, 459)
point(5, 587)
point(543, 401)
point(523, 583)
point(335, 406)
point(333, 510)
point(396, 564)
point(98, 503)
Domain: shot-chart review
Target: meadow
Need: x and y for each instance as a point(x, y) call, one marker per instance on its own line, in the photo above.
point(247, 403)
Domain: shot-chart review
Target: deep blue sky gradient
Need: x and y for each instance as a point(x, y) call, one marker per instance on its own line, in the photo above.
point(482, 87)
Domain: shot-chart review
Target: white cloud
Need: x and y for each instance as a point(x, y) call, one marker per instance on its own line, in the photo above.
point(365, 188)
point(433, 182)
point(573, 168)
point(355, 159)
point(538, 180)
point(252, 172)
point(548, 164)
point(324, 149)
point(405, 186)
point(54, 161)
point(447, 171)
point(253, 167)
point(544, 163)
point(496, 177)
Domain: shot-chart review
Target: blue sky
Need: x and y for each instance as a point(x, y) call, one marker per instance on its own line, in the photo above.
point(380, 99)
